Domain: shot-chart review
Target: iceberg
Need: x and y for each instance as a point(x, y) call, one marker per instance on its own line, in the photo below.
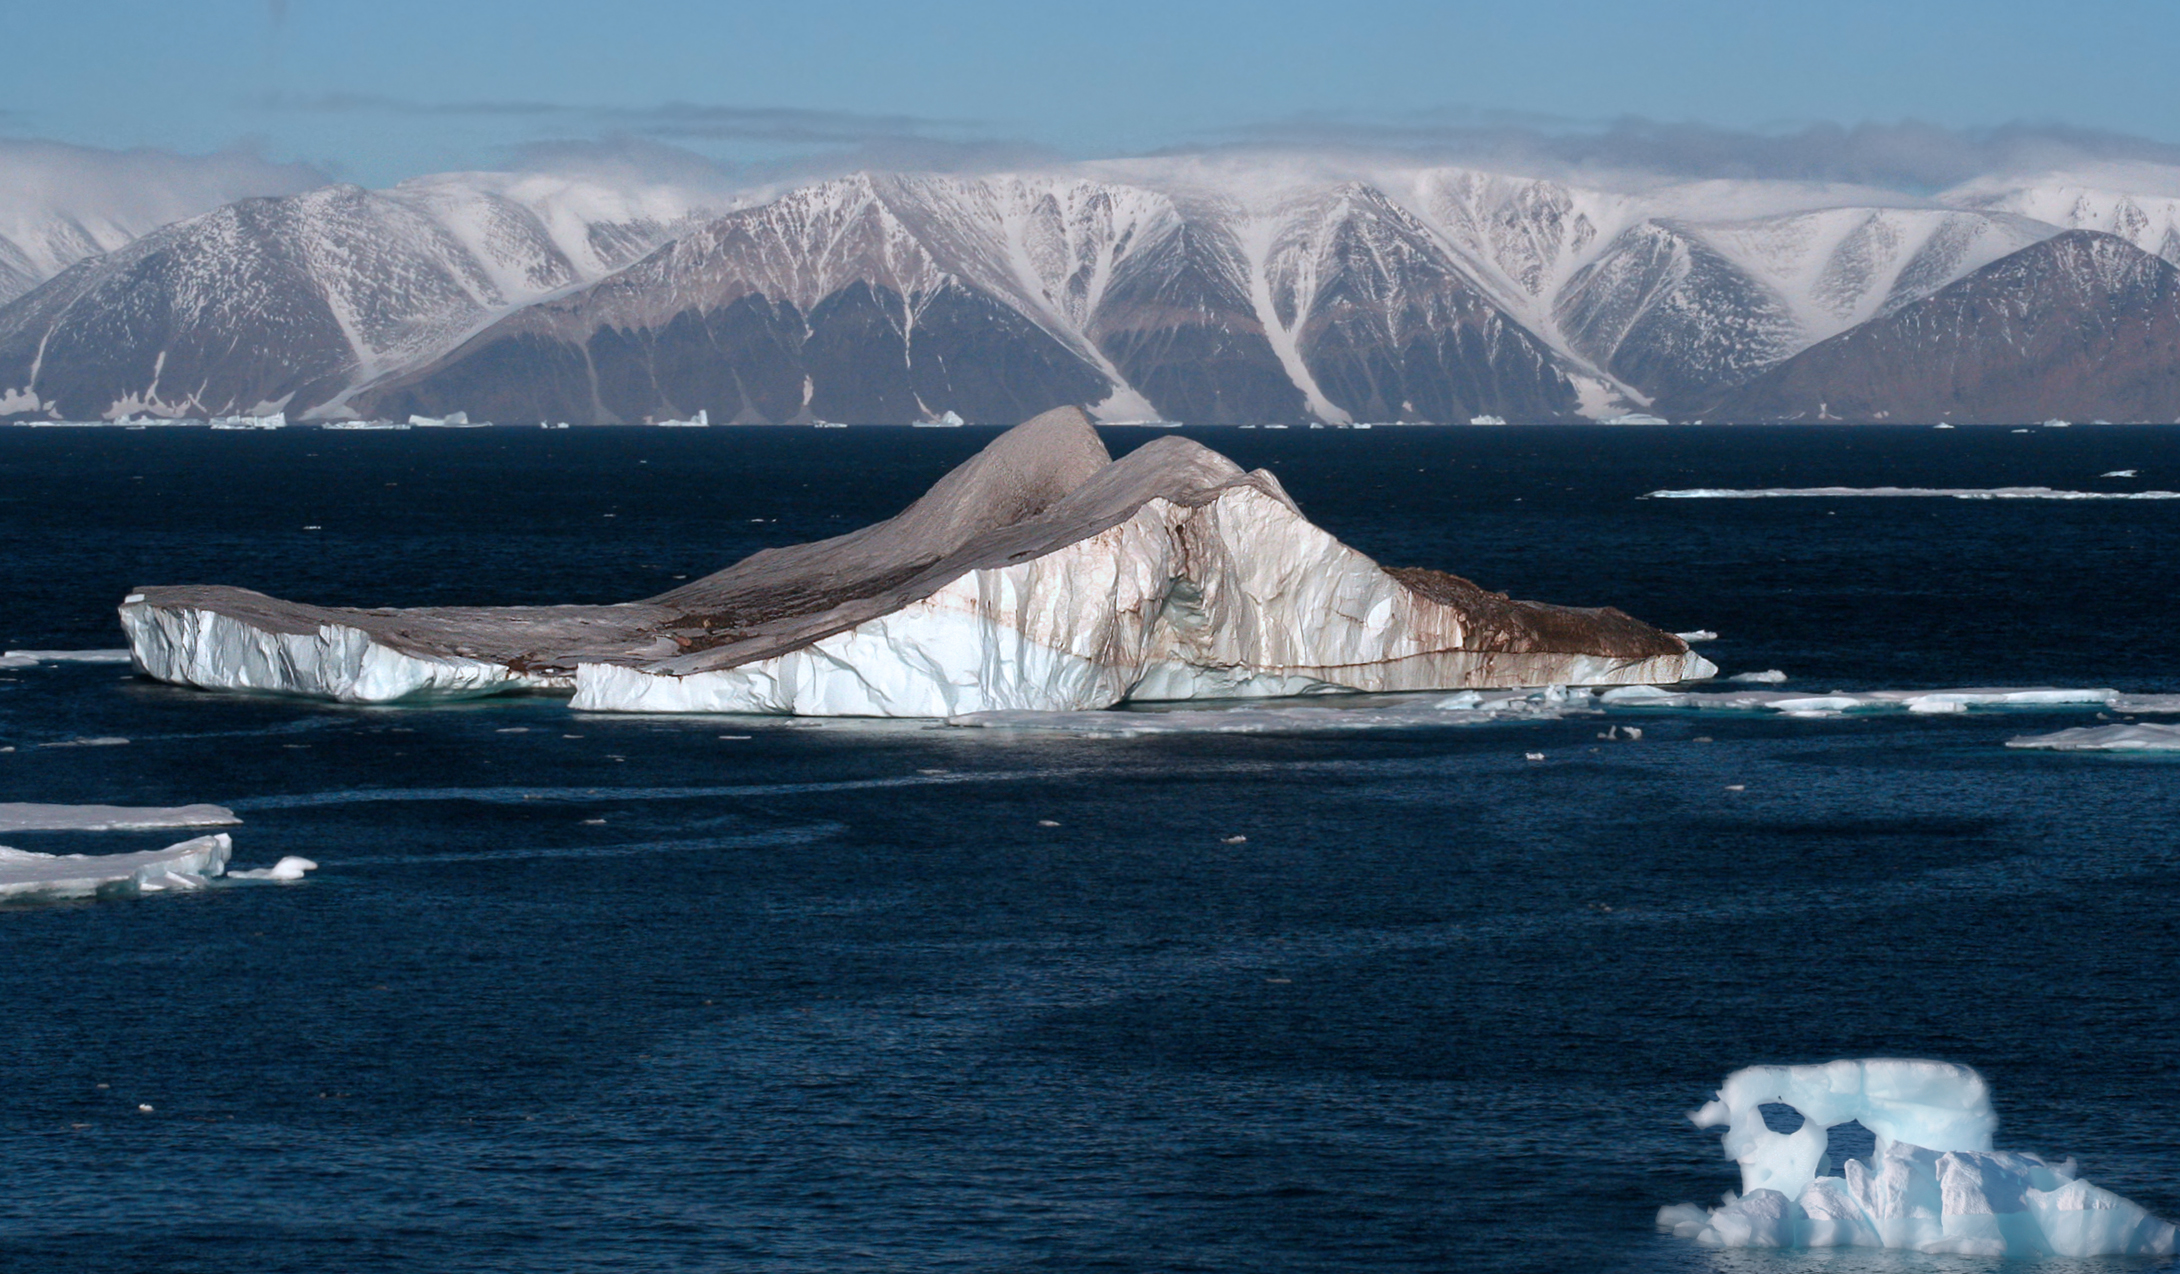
point(1039, 575)
point(25, 876)
point(1933, 1182)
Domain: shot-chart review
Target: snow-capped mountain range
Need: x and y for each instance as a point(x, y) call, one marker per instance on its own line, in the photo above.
point(1205, 289)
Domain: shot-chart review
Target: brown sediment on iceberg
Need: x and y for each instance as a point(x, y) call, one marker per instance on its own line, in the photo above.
point(1040, 573)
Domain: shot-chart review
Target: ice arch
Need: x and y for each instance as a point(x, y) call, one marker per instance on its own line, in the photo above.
point(1933, 1182)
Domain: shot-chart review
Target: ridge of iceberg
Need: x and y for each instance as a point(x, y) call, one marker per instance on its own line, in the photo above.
point(1039, 575)
point(1933, 1182)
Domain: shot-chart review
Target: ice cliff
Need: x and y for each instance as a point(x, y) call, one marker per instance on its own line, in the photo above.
point(1040, 574)
point(1933, 1182)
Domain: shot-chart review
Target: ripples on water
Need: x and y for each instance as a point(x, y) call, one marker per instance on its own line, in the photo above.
point(832, 996)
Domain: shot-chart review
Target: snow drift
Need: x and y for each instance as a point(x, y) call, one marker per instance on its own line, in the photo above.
point(1933, 1182)
point(1039, 575)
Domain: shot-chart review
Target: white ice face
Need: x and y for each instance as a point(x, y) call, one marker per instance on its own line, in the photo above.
point(189, 865)
point(1933, 1183)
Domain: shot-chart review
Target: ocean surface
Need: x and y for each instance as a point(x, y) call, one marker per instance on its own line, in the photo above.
point(600, 993)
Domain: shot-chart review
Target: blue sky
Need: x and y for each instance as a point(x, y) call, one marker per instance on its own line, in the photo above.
point(380, 90)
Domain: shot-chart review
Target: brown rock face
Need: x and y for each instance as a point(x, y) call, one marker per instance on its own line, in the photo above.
point(2082, 326)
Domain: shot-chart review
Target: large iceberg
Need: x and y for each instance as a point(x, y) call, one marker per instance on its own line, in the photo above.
point(26, 876)
point(1040, 574)
point(1933, 1182)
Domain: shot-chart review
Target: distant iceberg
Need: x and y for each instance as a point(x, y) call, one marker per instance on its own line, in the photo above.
point(1487, 420)
point(1933, 1183)
point(1636, 418)
point(277, 420)
point(1038, 575)
point(951, 420)
point(25, 876)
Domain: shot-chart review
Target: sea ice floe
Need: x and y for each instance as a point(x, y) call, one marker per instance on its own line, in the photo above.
point(1956, 493)
point(189, 865)
point(1932, 1183)
point(2140, 736)
point(29, 658)
point(23, 817)
point(1479, 707)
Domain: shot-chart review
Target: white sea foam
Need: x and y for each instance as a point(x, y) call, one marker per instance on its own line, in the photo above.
point(2140, 736)
point(189, 865)
point(1933, 1182)
point(1955, 493)
point(22, 817)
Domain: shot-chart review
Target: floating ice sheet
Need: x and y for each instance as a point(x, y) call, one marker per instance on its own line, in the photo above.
point(1933, 1182)
point(1341, 713)
point(27, 658)
point(2139, 736)
point(1956, 493)
point(25, 876)
point(20, 817)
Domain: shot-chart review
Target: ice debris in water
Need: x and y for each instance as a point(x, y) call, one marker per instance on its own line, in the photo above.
point(288, 868)
point(188, 865)
point(1700, 634)
point(2140, 736)
point(1768, 677)
point(22, 817)
point(2119, 473)
point(1933, 1183)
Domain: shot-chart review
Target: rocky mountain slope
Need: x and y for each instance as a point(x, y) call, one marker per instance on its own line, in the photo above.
point(2080, 326)
point(291, 302)
point(1226, 290)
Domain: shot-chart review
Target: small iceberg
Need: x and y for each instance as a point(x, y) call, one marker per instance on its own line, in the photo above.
point(278, 420)
point(1933, 1183)
point(951, 420)
point(452, 420)
point(701, 420)
point(1487, 420)
point(25, 876)
point(1636, 418)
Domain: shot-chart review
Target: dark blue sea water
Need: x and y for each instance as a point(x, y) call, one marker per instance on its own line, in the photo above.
point(607, 993)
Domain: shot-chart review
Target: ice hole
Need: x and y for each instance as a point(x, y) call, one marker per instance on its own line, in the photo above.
point(1849, 1140)
point(1781, 1118)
